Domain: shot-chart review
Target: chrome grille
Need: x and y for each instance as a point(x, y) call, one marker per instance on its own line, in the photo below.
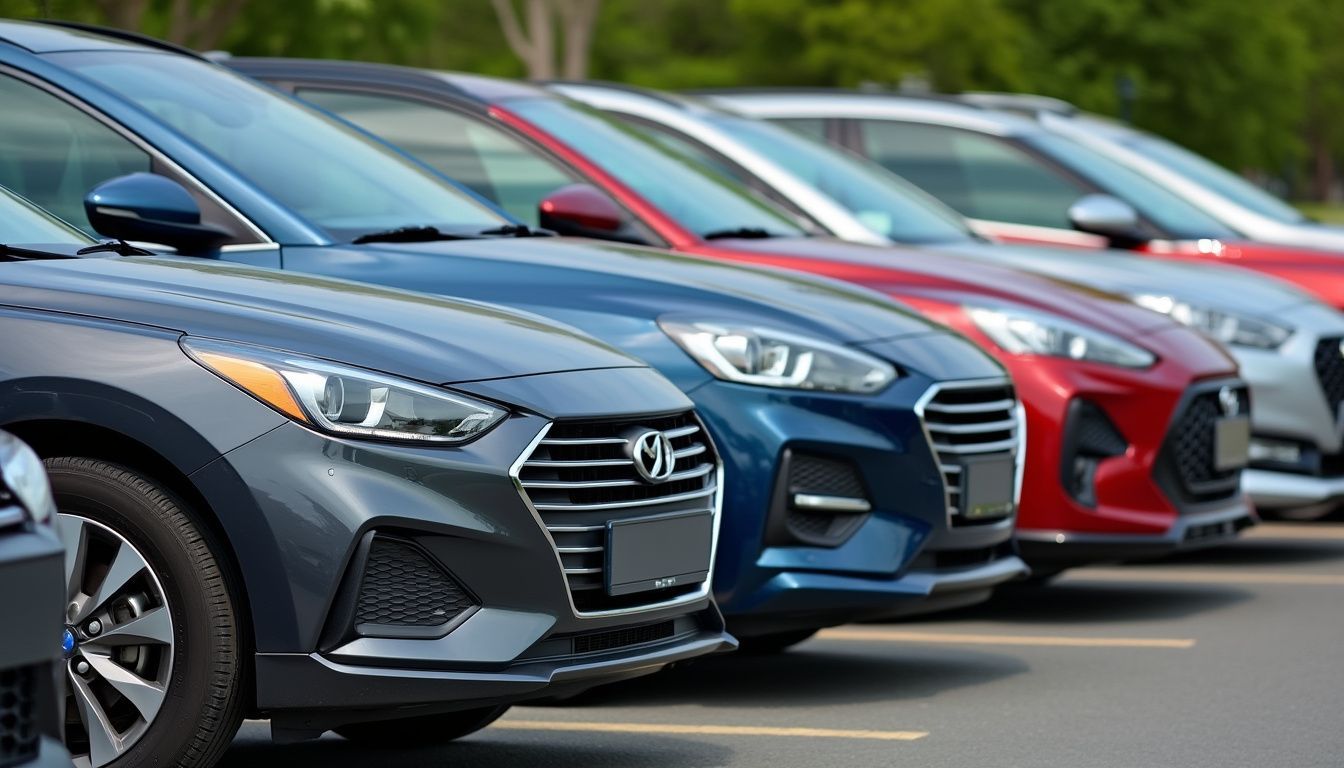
point(580, 476)
point(970, 419)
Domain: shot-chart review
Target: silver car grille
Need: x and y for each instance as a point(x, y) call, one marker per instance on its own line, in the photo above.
point(971, 419)
point(580, 476)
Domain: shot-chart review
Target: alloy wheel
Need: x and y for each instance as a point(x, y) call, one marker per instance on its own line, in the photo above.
point(118, 642)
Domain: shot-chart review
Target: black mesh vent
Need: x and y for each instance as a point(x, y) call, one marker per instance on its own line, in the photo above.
point(1190, 448)
point(18, 715)
point(828, 477)
point(403, 587)
point(622, 638)
point(581, 477)
point(1330, 372)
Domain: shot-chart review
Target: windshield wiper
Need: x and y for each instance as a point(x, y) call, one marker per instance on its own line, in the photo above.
point(516, 230)
point(119, 247)
point(411, 234)
point(741, 233)
point(45, 252)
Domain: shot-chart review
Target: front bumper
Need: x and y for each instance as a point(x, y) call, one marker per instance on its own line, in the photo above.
point(313, 519)
point(768, 581)
point(1286, 490)
point(32, 593)
point(1056, 548)
point(312, 693)
point(1290, 404)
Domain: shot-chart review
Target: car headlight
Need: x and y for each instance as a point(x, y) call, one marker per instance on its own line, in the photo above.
point(26, 478)
point(770, 358)
point(344, 400)
point(1220, 325)
point(1026, 332)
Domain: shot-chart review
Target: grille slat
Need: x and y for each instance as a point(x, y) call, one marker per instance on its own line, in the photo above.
point(970, 422)
point(581, 477)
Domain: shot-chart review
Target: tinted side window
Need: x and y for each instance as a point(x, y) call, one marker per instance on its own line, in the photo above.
point(983, 177)
point(476, 155)
point(53, 153)
point(812, 127)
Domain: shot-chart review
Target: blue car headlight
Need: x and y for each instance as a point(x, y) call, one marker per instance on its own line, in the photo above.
point(770, 358)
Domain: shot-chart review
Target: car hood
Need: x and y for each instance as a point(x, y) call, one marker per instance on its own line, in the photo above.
point(577, 274)
point(1207, 285)
point(427, 338)
point(940, 273)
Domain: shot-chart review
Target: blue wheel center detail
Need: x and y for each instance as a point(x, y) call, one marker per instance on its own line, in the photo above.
point(68, 643)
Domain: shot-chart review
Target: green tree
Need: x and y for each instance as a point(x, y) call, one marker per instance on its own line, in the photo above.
point(1224, 77)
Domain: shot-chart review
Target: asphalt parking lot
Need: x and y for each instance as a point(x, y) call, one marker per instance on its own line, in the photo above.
point(1223, 658)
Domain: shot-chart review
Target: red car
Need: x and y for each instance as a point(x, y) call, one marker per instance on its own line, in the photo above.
point(1124, 407)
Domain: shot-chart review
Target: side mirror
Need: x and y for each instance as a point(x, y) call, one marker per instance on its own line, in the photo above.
point(581, 210)
point(149, 208)
point(1106, 216)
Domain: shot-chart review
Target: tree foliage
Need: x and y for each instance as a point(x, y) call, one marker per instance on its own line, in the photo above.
point(1256, 86)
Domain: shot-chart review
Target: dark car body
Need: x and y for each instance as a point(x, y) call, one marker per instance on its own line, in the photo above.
point(31, 587)
point(768, 579)
point(321, 530)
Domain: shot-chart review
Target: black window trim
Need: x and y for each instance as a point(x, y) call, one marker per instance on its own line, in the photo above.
point(159, 162)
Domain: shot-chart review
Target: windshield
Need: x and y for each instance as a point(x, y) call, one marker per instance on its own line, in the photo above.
point(23, 223)
point(1212, 176)
point(1171, 213)
point(885, 203)
point(702, 202)
point(322, 170)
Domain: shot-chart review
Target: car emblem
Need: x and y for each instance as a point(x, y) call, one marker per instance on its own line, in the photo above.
point(653, 456)
point(1230, 401)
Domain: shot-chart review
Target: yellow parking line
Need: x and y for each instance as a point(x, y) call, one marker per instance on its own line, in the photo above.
point(958, 638)
point(705, 730)
point(1193, 576)
point(1296, 532)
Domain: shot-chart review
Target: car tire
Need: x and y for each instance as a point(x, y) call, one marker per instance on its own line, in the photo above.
point(202, 704)
point(777, 642)
point(425, 731)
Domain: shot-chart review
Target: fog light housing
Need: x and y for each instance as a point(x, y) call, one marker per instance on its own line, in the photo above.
point(1264, 450)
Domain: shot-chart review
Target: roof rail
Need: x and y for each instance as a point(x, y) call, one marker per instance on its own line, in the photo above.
point(123, 34)
point(1025, 103)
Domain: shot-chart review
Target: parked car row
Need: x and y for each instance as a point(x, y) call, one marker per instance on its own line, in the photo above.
point(375, 400)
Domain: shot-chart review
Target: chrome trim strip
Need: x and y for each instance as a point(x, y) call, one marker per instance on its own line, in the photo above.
point(971, 429)
point(694, 450)
point(578, 550)
point(997, 405)
point(703, 492)
point(825, 503)
point(700, 594)
point(585, 441)
point(700, 471)
point(581, 571)
point(591, 463)
point(574, 528)
point(673, 434)
point(974, 448)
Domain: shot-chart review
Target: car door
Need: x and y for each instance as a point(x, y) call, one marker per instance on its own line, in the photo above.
point(54, 150)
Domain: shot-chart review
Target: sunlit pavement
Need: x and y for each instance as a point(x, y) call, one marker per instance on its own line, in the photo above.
point(1232, 657)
